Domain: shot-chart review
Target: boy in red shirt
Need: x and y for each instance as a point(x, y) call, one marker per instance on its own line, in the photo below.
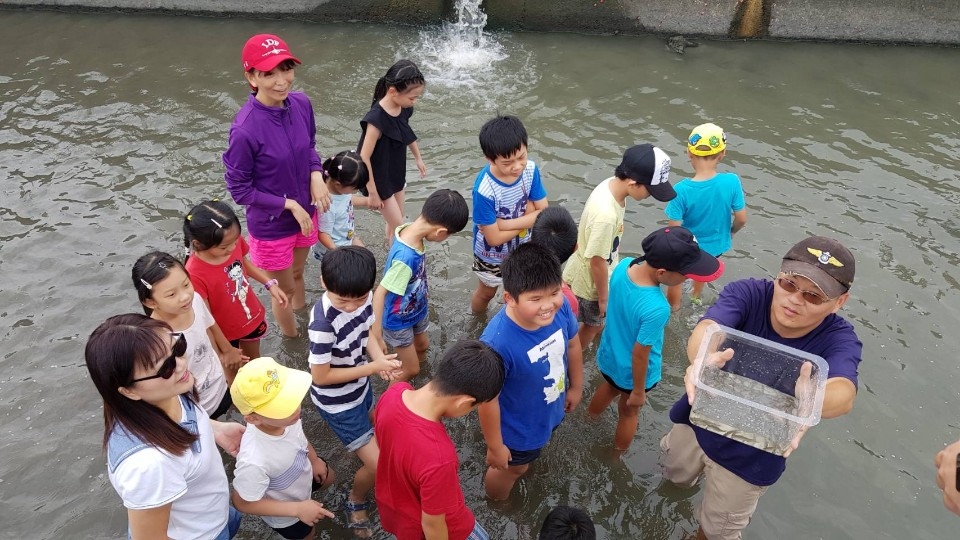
point(418, 487)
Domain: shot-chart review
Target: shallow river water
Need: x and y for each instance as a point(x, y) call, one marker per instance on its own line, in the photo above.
point(111, 127)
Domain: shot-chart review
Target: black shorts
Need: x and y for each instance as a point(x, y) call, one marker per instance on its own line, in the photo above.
point(297, 531)
point(257, 333)
point(623, 390)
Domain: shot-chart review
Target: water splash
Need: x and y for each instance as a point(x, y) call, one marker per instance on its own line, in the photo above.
point(460, 55)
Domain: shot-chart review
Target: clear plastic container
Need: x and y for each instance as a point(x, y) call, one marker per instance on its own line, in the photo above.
point(761, 397)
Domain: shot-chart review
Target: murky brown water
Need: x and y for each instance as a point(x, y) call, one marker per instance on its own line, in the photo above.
point(111, 127)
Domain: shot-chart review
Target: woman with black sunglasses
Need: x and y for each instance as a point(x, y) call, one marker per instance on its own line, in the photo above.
point(160, 444)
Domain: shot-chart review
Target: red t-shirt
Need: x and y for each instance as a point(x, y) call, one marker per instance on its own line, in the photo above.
point(572, 298)
point(225, 287)
point(416, 471)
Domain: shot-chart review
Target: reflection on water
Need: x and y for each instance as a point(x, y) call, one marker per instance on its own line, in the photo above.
point(107, 137)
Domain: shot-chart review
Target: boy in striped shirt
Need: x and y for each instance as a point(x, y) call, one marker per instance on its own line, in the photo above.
point(339, 330)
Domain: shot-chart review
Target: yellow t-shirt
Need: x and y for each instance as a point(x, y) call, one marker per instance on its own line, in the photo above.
point(598, 235)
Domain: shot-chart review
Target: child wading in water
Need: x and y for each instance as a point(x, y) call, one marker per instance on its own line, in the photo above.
point(384, 139)
point(220, 269)
point(344, 174)
point(167, 295)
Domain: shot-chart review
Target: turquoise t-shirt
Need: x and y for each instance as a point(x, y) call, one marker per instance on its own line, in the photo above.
point(706, 209)
point(635, 314)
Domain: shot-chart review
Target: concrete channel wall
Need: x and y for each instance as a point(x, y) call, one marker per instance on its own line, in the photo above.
point(900, 21)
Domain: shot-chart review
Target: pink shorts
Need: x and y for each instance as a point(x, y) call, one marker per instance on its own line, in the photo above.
point(276, 255)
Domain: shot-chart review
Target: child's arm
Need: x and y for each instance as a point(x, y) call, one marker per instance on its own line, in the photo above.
point(415, 150)
point(640, 358)
point(254, 272)
point(359, 200)
point(497, 453)
point(434, 526)
point(370, 139)
point(739, 220)
point(323, 374)
point(308, 511)
point(574, 373)
point(674, 223)
point(326, 240)
point(317, 464)
point(379, 298)
point(600, 274)
point(503, 230)
point(231, 357)
point(394, 367)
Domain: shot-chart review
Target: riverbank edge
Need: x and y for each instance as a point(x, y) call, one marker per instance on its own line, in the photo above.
point(926, 22)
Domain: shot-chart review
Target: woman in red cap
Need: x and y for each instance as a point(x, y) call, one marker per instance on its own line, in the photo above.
point(273, 169)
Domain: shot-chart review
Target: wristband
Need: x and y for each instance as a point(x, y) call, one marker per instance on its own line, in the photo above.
point(270, 283)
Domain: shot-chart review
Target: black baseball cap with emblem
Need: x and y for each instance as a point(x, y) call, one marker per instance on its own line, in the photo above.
point(649, 166)
point(824, 261)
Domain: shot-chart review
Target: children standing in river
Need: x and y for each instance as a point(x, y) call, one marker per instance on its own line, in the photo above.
point(710, 204)
point(166, 293)
point(385, 137)
point(220, 269)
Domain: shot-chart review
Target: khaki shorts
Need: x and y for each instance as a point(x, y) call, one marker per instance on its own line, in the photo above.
point(728, 501)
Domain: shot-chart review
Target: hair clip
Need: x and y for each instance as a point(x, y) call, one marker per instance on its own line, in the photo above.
point(339, 167)
point(215, 222)
point(163, 265)
point(145, 284)
point(186, 251)
point(189, 217)
point(216, 200)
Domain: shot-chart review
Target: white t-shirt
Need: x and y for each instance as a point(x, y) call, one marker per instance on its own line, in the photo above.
point(202, 358)
point(195, 483)
point(275, 467)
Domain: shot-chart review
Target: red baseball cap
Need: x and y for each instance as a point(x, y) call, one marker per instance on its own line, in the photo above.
point(265, 52)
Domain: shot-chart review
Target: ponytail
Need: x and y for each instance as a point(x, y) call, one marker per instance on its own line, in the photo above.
point(402, 74)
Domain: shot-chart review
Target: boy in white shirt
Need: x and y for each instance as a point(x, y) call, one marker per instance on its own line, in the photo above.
point(277, 469)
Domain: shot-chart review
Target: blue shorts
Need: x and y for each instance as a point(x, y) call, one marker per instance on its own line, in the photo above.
point(404, 336)
point(523, 457)
point(352, 426)
point(232, 526)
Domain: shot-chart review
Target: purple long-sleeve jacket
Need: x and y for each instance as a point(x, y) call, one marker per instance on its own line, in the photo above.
point(269, 158)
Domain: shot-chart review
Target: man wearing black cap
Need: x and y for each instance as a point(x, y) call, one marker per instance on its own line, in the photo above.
point(643, 172)
point(797, 309)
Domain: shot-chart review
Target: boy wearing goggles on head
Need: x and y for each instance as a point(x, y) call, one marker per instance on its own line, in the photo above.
point(799, 310)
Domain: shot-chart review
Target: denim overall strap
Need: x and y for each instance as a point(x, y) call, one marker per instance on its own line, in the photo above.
point(123, 444)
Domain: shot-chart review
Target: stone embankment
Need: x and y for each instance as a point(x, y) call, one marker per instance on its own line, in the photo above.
point(898, 21)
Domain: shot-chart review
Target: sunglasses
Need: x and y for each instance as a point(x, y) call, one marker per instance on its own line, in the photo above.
point(169, 364)
point(809, 296)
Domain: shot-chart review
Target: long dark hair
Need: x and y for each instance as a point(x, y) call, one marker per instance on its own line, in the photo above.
point(347, 169)
point(115, 349)
point(148, 270)
point(402, 75)
point(206, 224)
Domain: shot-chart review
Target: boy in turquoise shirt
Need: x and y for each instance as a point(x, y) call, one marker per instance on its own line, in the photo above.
point(710, 204)
point(630, 346)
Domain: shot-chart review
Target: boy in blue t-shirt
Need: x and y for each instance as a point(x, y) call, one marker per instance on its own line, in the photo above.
point(637, 313)
point(400, 301)
point(710, 204)
point(507, 196)
point(536, 335)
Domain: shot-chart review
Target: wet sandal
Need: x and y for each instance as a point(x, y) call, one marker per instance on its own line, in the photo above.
point(364, 525)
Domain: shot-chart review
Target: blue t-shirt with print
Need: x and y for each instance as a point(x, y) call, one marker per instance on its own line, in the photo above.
point(745, 305)
point(706, 209)
point(410, 307)
point(535, 376)
point(492, 199)
point(635, 314)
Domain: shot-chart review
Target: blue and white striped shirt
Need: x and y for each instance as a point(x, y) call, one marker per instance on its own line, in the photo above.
point(339, 339)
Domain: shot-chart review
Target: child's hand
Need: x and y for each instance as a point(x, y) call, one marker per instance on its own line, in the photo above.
point(386, 363)
point(233, 358)
point(311, 512)
point(422, 167)
point(322, 472)
point(572, 399)
point(392, 375)
point(277, 294)
point(373, 200)
point(498, 456)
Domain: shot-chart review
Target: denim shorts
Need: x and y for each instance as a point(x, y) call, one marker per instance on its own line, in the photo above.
point(352, 426)
point(404, 337)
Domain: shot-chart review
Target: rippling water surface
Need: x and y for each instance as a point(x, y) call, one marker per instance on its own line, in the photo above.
point(112, 127)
